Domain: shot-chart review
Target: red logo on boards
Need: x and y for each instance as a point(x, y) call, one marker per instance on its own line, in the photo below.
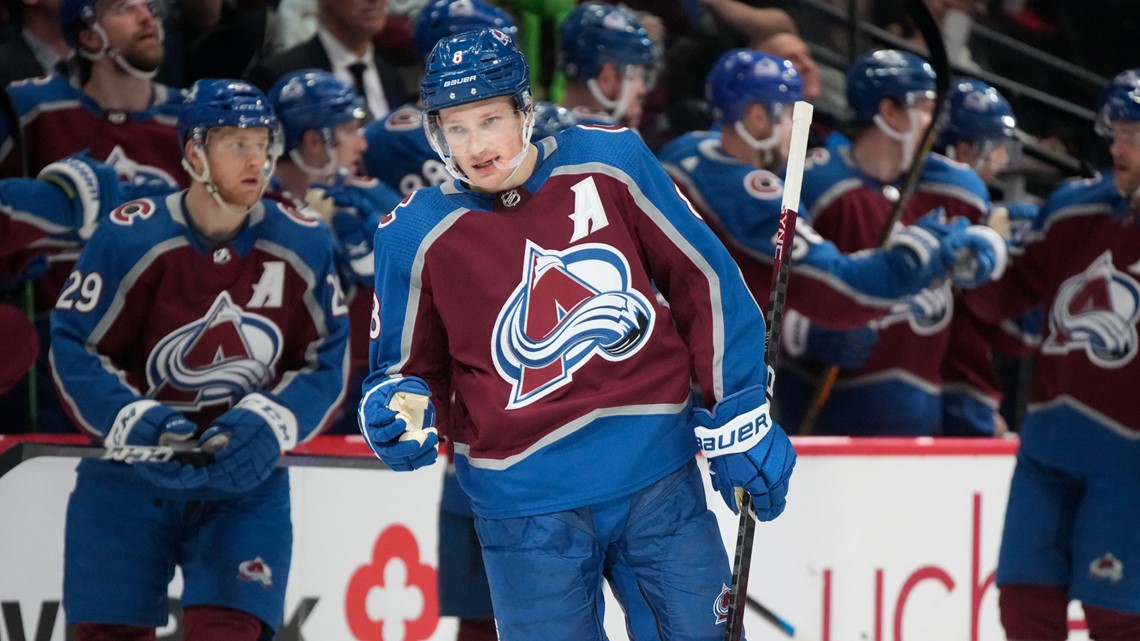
point(394, 573)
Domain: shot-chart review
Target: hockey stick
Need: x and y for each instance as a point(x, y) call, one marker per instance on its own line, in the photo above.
point(742, 558)
point(196, 456)
point(924, 22)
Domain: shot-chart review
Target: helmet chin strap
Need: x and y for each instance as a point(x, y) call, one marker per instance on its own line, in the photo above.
point(325, 172)
point(905, 138)
point(517, 161)
point(117, 57)
point(765, 146)
point(616, 108)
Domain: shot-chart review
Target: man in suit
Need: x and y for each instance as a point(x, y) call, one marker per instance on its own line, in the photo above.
point(38, 47)
point(343, 46)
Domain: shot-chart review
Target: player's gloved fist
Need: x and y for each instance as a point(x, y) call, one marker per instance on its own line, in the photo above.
point(245, 450)
point(398, 423)
point(974, 255)
point(354, 238)
point(746, 449)
point(847, 349)
point(923, 239)
point(92, 186)
point(151, 423)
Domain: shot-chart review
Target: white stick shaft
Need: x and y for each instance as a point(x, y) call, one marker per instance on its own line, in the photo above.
point(793, 178)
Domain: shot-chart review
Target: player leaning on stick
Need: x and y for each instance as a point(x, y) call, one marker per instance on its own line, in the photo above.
point(525, 288)
point(211, 316)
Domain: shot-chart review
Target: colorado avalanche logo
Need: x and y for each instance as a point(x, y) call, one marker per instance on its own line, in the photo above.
point(256, 570)
point(1096, 311)
point(570, 306)
point(216, 359)
point(135, 172)
point(720, 605)
point(927, 312)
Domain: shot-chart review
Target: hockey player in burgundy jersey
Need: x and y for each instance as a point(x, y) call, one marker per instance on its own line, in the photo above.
point(849, 191)
point(208, 316)
point(1071, 527)
point(732, 176)
point(525, 291)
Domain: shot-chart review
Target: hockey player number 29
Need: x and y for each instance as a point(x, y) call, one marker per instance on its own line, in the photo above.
point(80, 292)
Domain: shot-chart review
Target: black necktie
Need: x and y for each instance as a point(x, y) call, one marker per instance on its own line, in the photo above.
point(357, 70)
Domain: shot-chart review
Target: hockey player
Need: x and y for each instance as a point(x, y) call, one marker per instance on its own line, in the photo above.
point(112, 109)
point(209, 316)
point(321, 117)
point(1071, 523)
point(733, 177)
point(398, 152)
point(575, 441)
point(981, 133)
point(849, 191)
point(609, 63)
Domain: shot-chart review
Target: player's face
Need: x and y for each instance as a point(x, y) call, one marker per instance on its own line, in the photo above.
point(349, 143)
point(237, 158)
point(912, 119)
point(1125, 150)
point(133, 30)
point(483, 138)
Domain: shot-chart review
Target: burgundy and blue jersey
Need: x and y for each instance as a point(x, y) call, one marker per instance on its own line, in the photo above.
point(742, 205)
point(899, 388)
point(537, 308)
point(58, 119)
point(1082, 262)
point(151, 312)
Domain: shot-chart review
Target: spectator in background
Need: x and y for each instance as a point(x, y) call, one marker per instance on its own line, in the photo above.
point(850, 191)
point(823, 86)
point(343, 46)
point(113, 109)
point(212, 317)
point(1071, 523)
point(39, 47)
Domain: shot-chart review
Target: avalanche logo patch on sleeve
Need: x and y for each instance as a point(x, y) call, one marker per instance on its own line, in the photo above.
point(570, 306)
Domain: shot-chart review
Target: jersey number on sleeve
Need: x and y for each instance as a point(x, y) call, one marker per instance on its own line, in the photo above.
point(80, 292)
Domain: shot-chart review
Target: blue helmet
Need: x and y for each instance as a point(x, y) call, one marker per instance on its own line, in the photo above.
point(1119, 100)
point(743, 77)
point(443, 18)
point(595, 34)
point(226, 103)
point(77, 15)
point(888, 73)
point(474, 66)
point(313, 99)
point(550, 119)
point(978, 113)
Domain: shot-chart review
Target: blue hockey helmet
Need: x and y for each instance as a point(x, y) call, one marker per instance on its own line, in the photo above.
point(313, 99)
point(77, 15)
point(214, 102)
point(474, 66)
point(1119, 100)
point(978, 112)
point(550, 119)
point(888, 73)
point(442, 18)
point(597, 33)
point(743, 77)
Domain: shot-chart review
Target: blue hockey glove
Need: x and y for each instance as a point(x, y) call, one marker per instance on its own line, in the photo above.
point(923, 239)
point(245, 449)
point(353, 218)
point(1014, 222)
point(975, 255)
point(398, 423)
point(92, 186)
point(151, 423)
point(846, 349)
point(747, 449)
